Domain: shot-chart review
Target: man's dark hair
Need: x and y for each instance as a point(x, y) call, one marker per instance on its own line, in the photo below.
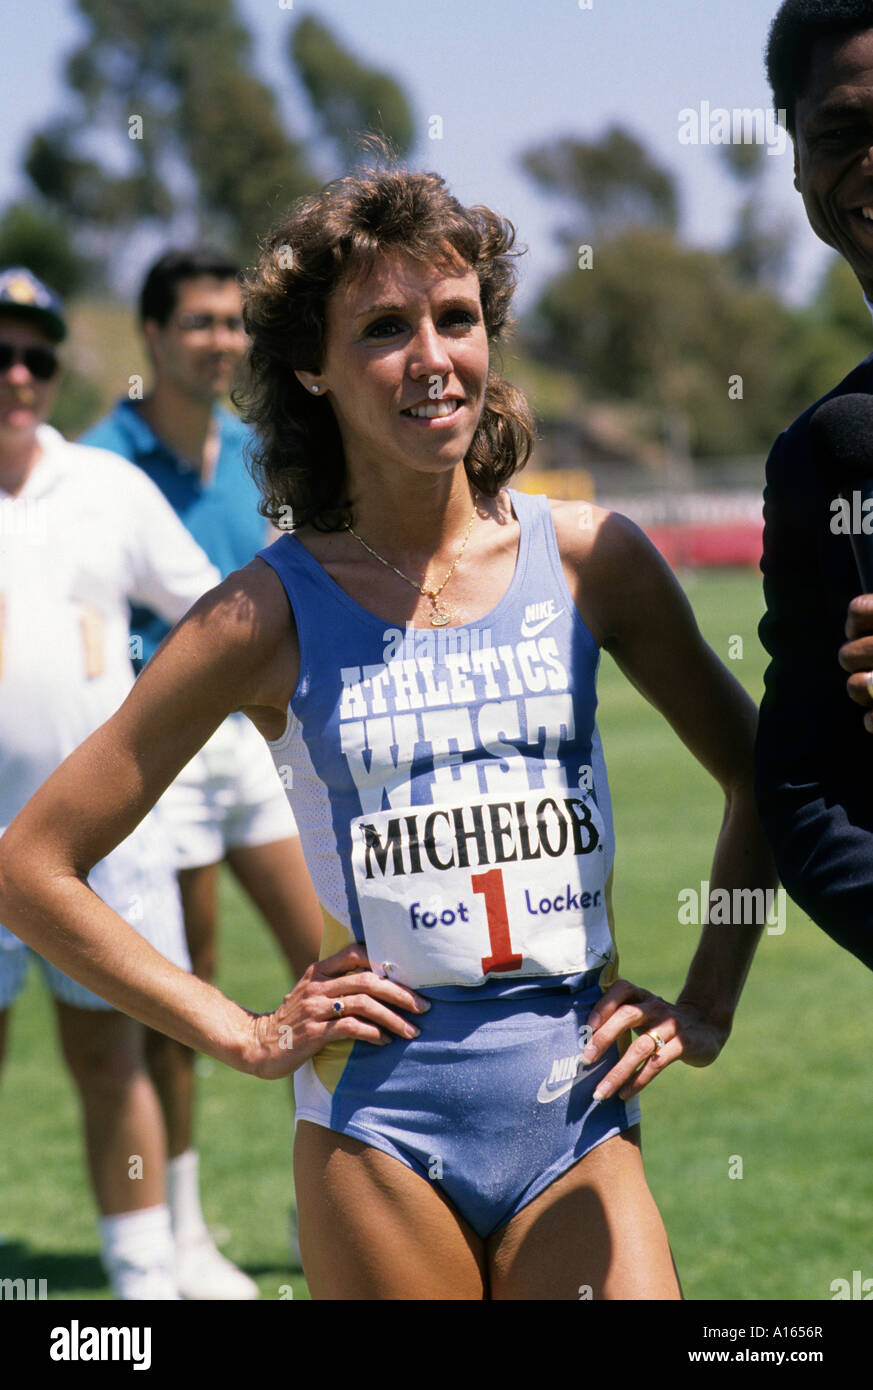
point(157, 298)
point(795, 31)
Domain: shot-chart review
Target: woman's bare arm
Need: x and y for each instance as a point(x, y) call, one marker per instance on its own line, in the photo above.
point(234, 650)
point(634, 607)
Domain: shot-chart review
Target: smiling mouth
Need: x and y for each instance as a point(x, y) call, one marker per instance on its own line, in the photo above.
point(434, 410)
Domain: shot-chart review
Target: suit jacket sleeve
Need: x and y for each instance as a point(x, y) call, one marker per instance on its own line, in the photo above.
point(814, 759)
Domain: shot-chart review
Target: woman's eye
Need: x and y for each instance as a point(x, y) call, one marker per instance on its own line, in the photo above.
point(383, 328)
point(459, 316)
point(390, 327)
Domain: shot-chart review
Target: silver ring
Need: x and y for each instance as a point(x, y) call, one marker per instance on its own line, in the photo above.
point(339, 1007)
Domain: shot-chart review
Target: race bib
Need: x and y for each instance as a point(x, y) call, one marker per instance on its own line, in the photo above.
point(455, 895)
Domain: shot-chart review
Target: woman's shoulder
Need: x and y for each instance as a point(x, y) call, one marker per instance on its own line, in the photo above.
point(235, 649)
point(245, 623)
point(586, 531)
point(251, 599)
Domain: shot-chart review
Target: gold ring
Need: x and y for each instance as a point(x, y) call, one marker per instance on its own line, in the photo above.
point(658, 1041)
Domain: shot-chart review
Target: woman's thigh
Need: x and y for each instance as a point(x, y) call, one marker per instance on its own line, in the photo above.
point(593, 1233)
point(371, 1228)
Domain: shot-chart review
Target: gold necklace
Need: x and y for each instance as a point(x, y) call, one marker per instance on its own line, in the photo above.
point(440, 615)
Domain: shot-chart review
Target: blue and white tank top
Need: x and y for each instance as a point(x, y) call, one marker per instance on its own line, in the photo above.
point(449, 783)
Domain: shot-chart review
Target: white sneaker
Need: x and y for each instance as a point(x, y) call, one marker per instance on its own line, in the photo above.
point(202, 1272)
point(131, 1282)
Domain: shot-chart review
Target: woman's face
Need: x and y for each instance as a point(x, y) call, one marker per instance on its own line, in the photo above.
point(405, 368)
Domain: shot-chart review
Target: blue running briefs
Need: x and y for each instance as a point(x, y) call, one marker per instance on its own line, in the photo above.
point(490, 1103)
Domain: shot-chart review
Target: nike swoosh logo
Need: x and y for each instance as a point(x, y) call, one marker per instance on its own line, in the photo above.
point(534, 629)
point(546, 1094)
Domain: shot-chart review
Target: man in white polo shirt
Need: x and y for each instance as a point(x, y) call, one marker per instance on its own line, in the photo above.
point(82, 534)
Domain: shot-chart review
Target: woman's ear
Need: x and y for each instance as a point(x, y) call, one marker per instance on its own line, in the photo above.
point(311, 381)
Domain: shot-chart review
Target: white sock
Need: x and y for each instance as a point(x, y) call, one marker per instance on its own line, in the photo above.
point(138, 1253)
point(183, 1195)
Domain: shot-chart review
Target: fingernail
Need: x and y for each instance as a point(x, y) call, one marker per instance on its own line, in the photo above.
point(412, 1032)
point(422, 1004)
point(589, 1053)
point(600, 1095)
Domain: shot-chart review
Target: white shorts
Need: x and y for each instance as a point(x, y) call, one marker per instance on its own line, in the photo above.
point(228, 797)
point(138, 881)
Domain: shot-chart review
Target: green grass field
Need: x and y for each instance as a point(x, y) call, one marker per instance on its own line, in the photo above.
point(798, 1217)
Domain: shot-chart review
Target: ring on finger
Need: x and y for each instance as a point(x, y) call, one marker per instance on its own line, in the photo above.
point(658, 1041)
point(869, 683)
point(338, 1007)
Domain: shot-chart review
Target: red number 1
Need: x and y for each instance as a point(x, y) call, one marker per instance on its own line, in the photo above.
point(490, 885)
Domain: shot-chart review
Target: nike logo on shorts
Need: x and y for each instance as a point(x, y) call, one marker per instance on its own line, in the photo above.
point(566, 1073)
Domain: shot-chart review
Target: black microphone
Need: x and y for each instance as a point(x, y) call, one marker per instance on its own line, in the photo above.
point(841, 433)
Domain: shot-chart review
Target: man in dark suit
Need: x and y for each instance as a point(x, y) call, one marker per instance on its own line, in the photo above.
point(815, 750)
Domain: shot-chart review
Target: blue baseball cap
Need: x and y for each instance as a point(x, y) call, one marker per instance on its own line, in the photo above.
point(26, 297)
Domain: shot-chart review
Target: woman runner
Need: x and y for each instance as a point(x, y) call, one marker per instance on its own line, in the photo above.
point(420, 655)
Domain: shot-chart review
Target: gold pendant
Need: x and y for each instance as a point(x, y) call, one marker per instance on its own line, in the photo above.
point(440, 616)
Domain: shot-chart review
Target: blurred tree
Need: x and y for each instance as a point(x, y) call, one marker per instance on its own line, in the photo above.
point(347, 96)
point(247, 169)
point(832, 334)
point(700, 338)
point(839, 302)
point(667, 326)
point(757, 248)
point(173, 84)
point(200, 147)
point(612, 181)
point(37, 238)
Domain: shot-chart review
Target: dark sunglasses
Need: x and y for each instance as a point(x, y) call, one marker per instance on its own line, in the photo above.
point(41, 362)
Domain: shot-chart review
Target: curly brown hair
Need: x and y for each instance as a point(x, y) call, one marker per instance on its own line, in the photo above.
point(298, 459)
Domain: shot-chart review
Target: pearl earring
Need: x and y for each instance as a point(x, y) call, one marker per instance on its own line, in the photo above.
point(315, 389)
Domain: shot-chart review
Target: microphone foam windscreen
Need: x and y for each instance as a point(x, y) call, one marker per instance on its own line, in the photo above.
point(841, 432)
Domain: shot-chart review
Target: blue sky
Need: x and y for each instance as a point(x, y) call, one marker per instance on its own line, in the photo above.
point(502, 75)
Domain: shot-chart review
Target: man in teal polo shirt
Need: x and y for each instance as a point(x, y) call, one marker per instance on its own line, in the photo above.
point(227, 804)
